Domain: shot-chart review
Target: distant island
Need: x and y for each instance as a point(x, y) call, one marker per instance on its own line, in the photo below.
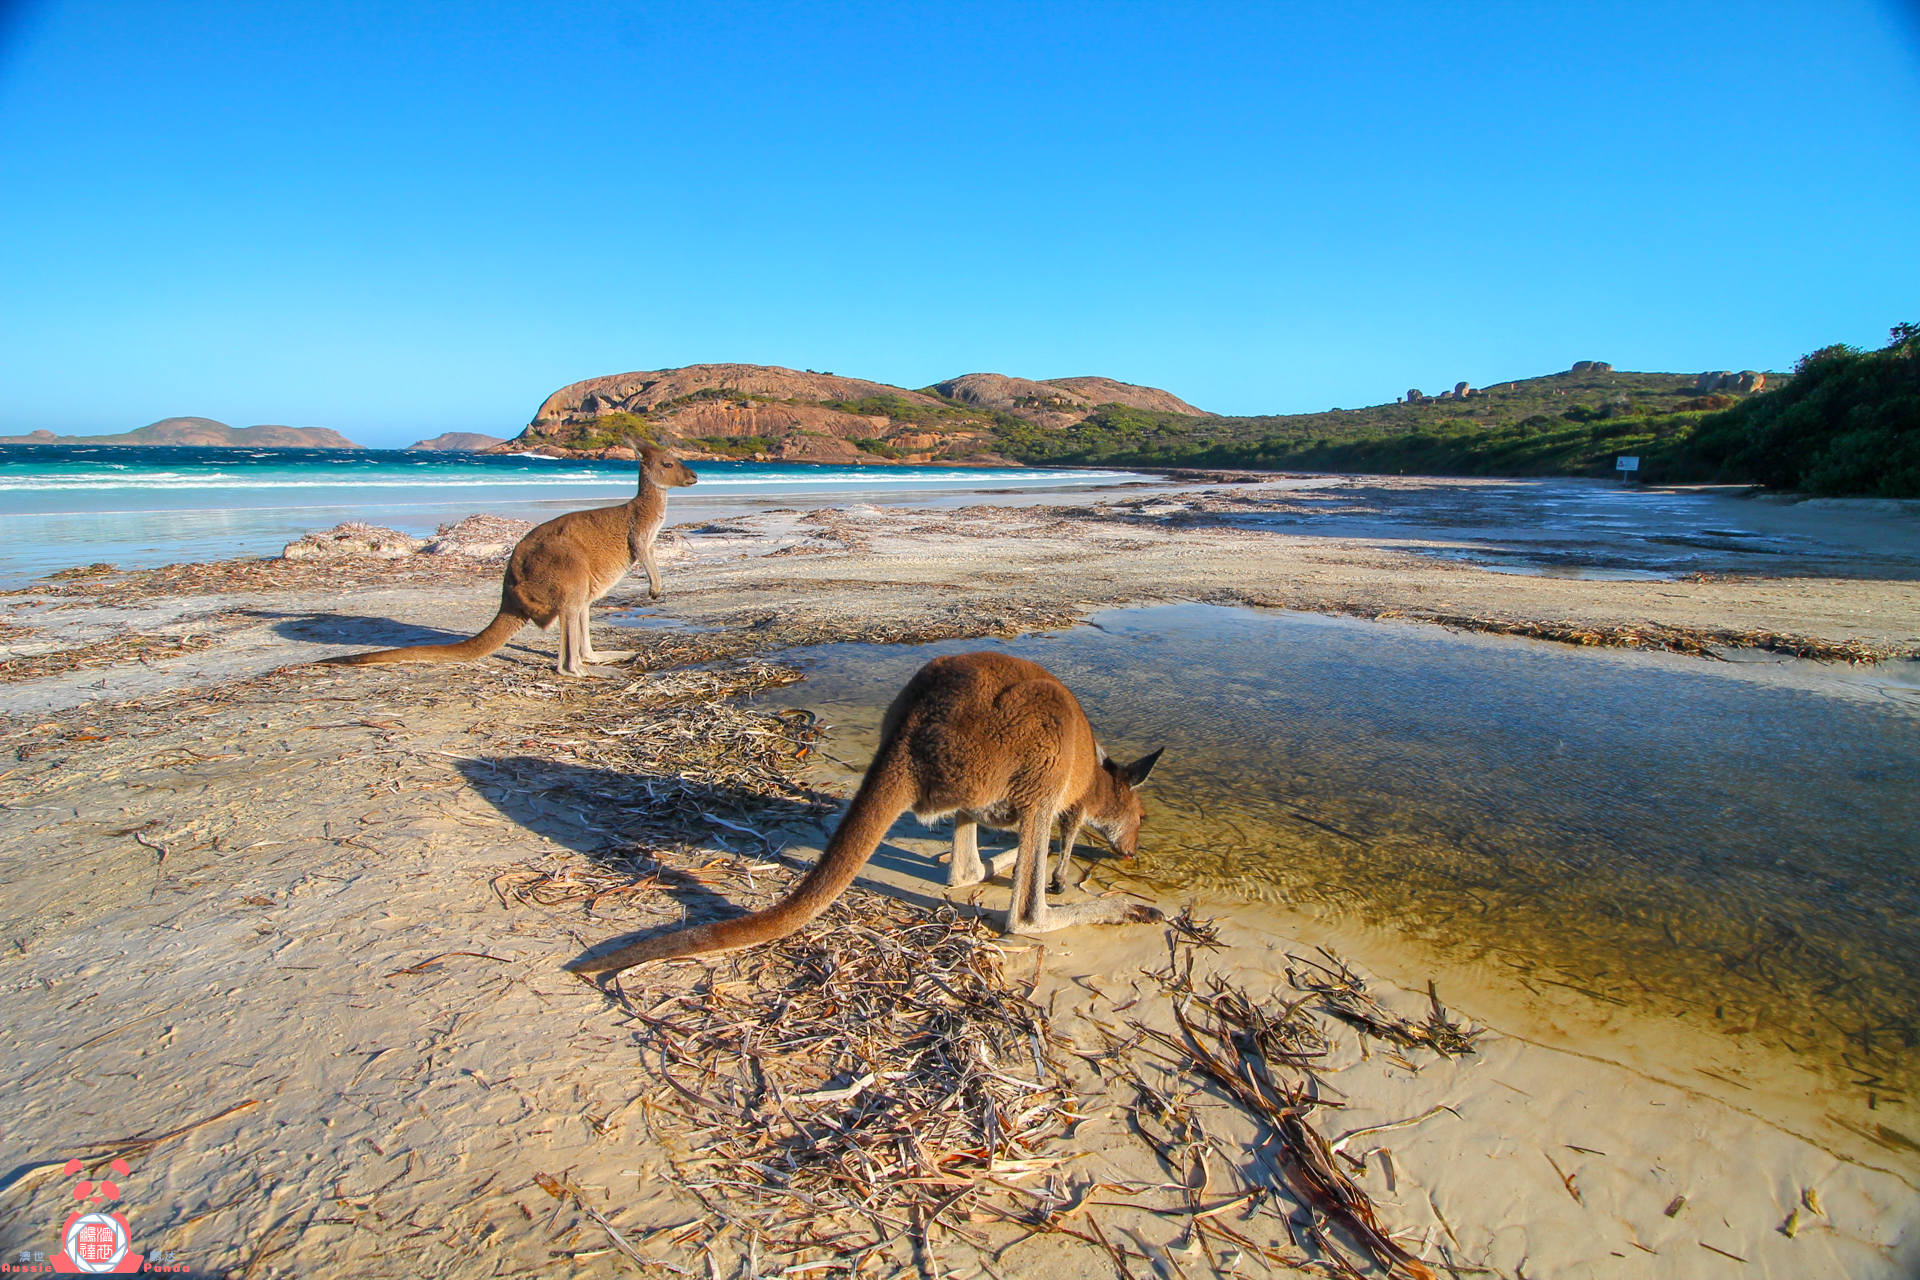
point(456, 442)
point(204, 433)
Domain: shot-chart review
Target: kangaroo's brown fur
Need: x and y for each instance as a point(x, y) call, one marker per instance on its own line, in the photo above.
point(983, 737)
point(560, 568)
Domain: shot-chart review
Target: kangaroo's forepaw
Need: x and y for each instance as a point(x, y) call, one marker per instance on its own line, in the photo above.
point(1140, 913)
point(653, 594)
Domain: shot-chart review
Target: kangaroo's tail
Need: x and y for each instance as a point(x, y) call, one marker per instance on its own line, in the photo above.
point(884, 795)
point(498, 632)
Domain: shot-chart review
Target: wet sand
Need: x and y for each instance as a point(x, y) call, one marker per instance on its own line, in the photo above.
point(223, 865)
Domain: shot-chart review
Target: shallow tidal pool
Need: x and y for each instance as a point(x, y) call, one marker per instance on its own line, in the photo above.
point(1730, 844)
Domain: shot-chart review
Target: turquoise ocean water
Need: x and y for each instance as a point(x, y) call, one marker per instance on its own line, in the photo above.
point(135, 507)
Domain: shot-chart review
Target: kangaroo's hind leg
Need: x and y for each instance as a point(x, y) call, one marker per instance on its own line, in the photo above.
point(574, 648)
point(1028, 912)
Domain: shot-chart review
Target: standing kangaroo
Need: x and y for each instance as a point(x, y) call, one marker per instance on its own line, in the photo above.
point(560, 568)
point(984, 737)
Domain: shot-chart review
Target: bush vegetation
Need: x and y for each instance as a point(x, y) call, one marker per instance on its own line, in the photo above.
point(610, 430)
point(901, 410)
point(1846, 423)
point(734, 446)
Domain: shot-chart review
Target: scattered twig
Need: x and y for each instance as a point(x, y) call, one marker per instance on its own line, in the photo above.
point(425, 965)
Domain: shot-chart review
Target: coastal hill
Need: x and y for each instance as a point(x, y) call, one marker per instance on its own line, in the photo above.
point(456, 442)
point(745, 410)
point(202, 432)
point(1058, 402)
point(1844, 422)
point(717, 411)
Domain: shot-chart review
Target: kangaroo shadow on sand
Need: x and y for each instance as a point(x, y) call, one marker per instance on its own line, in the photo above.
point(347, 628)
point(583, 808)
point(374, 633)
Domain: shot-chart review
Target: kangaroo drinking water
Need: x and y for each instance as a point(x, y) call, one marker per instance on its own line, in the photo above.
point(983, 737)
point(560, 568)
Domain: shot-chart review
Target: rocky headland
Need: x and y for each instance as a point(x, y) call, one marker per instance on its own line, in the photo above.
point(1058, 402)
point(721, 411)
point(203, 433)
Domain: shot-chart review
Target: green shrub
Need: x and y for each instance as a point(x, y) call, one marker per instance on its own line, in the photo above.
point(735, 446)
point(900, 409)
point(1848, 423)
point(607, 431)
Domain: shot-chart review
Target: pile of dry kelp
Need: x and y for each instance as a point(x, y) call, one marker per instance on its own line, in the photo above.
point(838, 1093)
point(127, 647)
point(105, 584)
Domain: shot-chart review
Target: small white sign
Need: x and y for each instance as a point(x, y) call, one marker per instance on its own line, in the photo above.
point(1626, 464)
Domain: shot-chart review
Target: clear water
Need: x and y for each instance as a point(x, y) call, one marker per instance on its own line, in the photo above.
point(140, 506)
point(1733, 844)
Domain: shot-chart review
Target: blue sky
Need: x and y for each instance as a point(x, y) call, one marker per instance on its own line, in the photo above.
point(396, 219)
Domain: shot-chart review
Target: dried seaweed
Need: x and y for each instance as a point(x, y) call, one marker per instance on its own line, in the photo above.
point(98, 569)
point(129, 647)
point(225, 577)
point(1343, 994)
point(848, 1088)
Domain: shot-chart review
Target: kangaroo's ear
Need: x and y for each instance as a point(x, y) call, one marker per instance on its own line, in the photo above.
point(1140, 770)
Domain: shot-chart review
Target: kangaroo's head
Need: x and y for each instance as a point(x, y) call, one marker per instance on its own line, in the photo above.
point(664, 469)
point(1119, 813)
